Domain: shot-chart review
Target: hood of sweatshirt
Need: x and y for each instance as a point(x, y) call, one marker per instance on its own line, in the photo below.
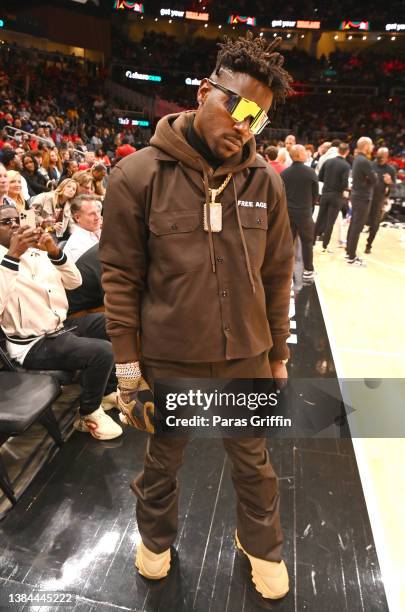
point(170, 137)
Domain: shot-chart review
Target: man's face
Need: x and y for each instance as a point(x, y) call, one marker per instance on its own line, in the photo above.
point(224, 136)
point(9, 223)
point(289, 142)
point(89, 216)
point(4, 183)
point(382, 157)
point(98, 175)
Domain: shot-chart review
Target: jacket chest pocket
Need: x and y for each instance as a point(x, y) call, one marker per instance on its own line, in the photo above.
point(176, 242)
point(255, 224)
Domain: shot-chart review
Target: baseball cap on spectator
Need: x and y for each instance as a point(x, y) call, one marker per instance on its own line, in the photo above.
point(124, 149)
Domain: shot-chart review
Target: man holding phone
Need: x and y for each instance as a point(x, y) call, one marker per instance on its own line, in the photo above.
point(34, 274)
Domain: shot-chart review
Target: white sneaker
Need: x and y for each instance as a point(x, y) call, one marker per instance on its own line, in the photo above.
point(270, 578)
point(110, 401)
point(151, 565)
point(357, 261)
point(99, 425)
point(308, 276)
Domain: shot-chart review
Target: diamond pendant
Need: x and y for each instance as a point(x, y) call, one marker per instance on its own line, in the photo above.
point(215, 216)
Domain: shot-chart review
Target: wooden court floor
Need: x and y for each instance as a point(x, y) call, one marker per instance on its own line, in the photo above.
point(363, 309)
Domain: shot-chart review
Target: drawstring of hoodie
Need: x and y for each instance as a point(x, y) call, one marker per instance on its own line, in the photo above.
point(242, 236)
point(207, 199)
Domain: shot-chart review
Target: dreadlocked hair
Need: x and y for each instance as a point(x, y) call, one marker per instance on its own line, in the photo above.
point(256, 57)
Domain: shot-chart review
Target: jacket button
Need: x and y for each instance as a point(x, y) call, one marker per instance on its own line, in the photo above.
point(224, 293)
point(258, 221)
point(220, 259)
point(227, 328)
point(174, 226)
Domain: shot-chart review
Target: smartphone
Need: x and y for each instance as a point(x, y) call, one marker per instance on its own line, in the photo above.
point(27, 219)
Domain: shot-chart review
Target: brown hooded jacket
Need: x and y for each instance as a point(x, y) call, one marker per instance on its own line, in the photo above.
point(193, 295)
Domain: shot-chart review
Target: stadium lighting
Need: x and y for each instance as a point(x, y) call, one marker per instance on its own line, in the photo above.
point(379, 37)
point(329, 91)
point(170, 20)
point(302, 35)
point(350, 37)
point(336, 37)
point(261, 34)
point(275, 34)
point(364, 37)
point(219, 27)
point(288, 35)
point(205, 25)
point(393, 37)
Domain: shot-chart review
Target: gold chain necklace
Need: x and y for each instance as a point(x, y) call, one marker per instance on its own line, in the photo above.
point(215, 192)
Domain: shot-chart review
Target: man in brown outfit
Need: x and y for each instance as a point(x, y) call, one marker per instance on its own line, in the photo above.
point(197, 257)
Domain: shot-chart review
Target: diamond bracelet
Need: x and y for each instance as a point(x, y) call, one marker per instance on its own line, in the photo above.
point(128, 370)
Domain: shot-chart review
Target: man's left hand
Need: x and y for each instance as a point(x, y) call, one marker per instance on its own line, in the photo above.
point(47, 243)
point(280, 374)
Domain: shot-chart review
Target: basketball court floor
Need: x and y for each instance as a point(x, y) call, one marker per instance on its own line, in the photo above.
point(74, 529)
point(363, 312)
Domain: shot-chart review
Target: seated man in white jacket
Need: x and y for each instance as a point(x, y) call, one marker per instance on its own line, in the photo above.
point(86, 213)
point(34, 274)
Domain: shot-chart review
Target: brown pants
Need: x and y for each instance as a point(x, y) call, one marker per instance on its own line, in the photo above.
point(157, 489)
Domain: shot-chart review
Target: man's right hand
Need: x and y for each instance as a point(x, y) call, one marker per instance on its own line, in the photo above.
point(136, 404)
point(23, 239)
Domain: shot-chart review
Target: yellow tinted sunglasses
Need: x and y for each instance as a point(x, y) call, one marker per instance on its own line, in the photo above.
point(241, 108)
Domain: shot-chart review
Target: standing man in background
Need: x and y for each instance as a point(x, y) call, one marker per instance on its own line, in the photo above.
point(301, 185)
point(334, 174)
point(386, 176)
point(364, 180)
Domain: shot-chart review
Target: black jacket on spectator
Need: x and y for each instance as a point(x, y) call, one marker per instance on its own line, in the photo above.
point(90, 293)
point(364, 177)
point(301, 186)
point(381, 189)
point(334, 174)
point(36, 182)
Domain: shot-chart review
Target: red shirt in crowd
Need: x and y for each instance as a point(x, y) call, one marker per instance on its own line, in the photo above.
point(124, 150)
point(277, 166)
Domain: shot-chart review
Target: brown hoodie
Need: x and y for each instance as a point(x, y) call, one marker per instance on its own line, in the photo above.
point(193, 295)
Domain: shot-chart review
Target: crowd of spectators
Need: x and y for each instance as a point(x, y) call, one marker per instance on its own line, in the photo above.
point(160, 51)
point(307, 9)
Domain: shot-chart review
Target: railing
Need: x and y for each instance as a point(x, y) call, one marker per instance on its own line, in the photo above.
point(47, 141)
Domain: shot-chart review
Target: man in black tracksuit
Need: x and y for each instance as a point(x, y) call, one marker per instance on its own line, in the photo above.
point(301, 185)
point(386, 176)
point(364, 180)
point(334, 174)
